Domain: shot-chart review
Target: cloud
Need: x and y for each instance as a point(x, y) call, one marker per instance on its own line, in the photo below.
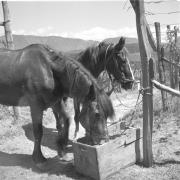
point(96, 33)
point(43, 31)
point(99, 33)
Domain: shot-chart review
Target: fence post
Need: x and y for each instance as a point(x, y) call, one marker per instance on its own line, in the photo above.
point(161, 78)
point(163, 66)
point(9, 41)
point(171, 67)
point(179, 74)
point(145, 53)
point(176, 71)
point(151, 76)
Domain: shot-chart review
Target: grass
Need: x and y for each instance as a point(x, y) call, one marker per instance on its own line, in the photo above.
point(166, 138)
point(166, 142)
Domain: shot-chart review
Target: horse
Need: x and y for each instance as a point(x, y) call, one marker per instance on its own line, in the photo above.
point(105, 56)
point(38, 77)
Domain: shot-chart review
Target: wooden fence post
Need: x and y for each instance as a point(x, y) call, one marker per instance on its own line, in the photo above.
point(151, 76)
point(171, 67)
point(7, 27)
point(161, 78)
point(9, 41)
point(144, 46)
point(176, 71)
point(179, 74)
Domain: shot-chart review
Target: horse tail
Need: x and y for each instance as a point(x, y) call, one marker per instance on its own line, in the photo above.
point(105, 103)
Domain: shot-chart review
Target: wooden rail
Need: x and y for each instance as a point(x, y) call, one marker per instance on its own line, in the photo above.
point(165, 88)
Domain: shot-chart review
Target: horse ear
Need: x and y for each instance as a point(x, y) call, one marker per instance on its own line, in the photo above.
point(120, 44)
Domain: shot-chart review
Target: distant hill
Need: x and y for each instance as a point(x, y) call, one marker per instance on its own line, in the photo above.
point(116, 39)
point(56, 42)
point(70, 44)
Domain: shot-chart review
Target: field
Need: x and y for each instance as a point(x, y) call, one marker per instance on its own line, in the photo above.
point(16, 143)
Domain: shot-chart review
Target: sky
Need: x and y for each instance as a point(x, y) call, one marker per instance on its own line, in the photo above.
point(89, 20)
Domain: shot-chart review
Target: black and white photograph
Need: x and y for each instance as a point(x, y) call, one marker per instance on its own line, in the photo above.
point(90, 90)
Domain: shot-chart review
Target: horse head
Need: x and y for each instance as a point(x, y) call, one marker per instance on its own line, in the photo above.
point(118, 64)
point(96, 108)
point(94, 122)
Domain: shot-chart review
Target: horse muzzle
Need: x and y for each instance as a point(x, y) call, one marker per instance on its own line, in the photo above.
point(99, 140)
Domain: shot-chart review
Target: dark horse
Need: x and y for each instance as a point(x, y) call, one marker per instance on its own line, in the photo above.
point(38, 77)
point(105, 56)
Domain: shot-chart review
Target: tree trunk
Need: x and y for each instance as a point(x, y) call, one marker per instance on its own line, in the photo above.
point(9, 41)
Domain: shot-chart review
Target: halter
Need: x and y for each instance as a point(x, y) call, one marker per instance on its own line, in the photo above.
point(106, 62)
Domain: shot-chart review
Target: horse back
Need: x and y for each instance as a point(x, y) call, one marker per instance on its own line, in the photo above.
point(24, 73)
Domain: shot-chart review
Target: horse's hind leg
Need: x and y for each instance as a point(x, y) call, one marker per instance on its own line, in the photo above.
point(37, 115)
point(76, 116)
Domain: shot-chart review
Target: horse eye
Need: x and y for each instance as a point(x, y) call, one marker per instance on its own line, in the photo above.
point(124, 60)
point(121, 55)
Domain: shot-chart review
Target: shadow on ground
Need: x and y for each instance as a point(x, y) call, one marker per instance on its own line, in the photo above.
point(165, 162)
point(49, 136)
point(53, 165)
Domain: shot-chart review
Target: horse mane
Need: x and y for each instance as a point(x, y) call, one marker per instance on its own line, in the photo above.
point(82, 84)
point(94, 54)
point(78, 74)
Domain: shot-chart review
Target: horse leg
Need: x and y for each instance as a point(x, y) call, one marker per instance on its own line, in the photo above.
point(62, 125)
point(16, 114)
point(57, 109)
point(56, 113)
point(76, 116)
point(37, 115)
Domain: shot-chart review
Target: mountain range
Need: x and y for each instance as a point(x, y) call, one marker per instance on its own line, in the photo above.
point(67, 44)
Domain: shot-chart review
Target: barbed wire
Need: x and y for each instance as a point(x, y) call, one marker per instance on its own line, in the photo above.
point(155, 2)
point(149, 13)
point(152, 24)
point(125, 4)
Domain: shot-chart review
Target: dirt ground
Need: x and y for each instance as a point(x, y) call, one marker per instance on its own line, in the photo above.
point(16, 146)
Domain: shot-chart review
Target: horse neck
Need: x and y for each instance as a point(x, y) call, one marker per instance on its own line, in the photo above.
point(94, 64)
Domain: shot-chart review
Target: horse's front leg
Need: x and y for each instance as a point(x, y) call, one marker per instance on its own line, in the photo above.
point(37, 115)
point(76, 116)
point(62, 125)
point(57, 111)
